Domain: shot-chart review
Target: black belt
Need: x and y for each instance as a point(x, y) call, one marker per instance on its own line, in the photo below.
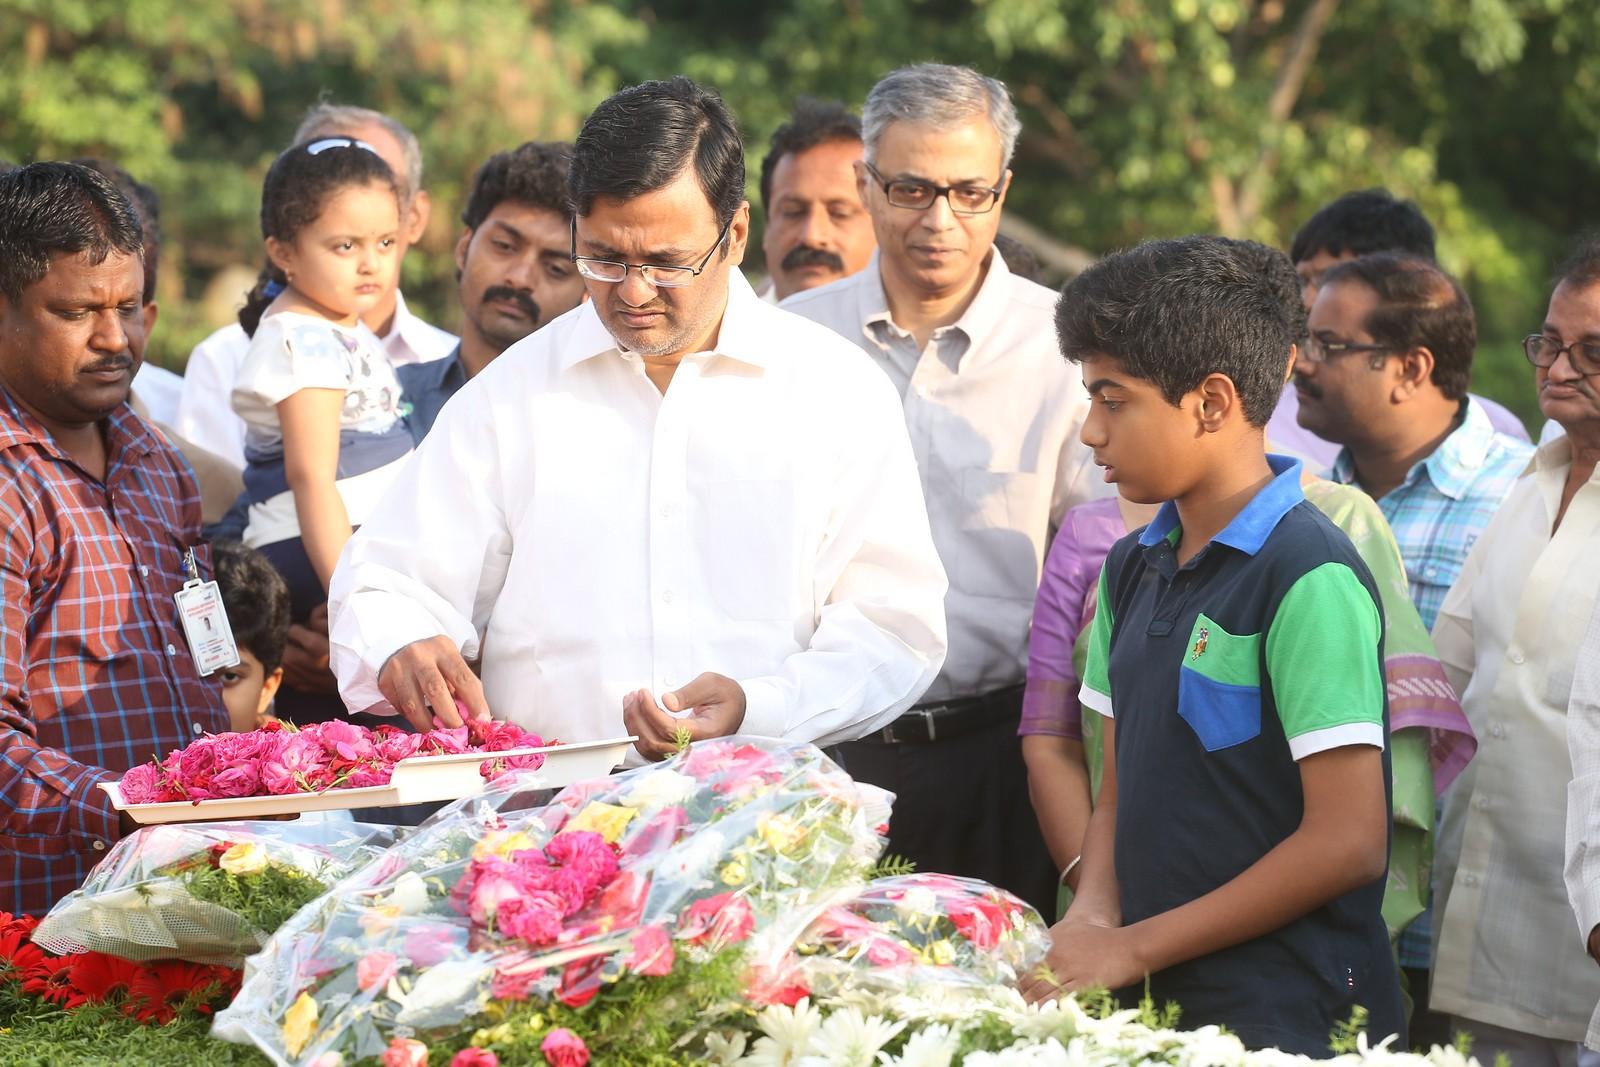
point(951, 718)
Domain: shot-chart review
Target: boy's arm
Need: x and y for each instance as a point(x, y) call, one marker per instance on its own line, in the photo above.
point(1323, 640)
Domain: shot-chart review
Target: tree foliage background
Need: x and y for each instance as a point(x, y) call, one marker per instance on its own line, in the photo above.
point(1143, 118)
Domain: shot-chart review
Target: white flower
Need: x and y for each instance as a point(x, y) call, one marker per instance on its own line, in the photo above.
point(849, 1039)
point(724, 1050)
point(443, 994)
point(410, 894)
point(933, 1047)
point(659, 788)
point(918, 902)
point(690, 861)
point(791, 1028)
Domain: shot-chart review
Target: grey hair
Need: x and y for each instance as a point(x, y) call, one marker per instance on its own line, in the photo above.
point(940, 95)
point(323, 119)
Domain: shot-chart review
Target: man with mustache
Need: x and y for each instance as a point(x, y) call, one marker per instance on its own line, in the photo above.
point(513, 268)
point(674, 508)
point(1509, 964)
point(99, 514)
point(817, 231)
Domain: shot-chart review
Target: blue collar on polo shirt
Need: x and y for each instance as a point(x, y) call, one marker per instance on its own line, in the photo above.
point(1250, 528)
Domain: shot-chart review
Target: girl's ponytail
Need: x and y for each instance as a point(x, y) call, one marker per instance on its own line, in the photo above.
point(268, 285)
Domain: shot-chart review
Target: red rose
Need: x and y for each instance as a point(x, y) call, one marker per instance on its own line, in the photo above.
point(563, 1048)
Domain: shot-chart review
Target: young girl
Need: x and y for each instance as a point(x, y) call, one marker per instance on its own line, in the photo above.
point(320, 401)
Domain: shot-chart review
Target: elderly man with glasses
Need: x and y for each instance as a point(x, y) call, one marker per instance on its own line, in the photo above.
point(675, 508)
point(994, 413)
point(1508, 964)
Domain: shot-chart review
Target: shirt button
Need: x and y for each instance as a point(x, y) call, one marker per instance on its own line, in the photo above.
point(1481, 803)
point(198, 728)
point(1496, 730)
point(1469, 880)
point(1516, 657)
point(665, 511)
point(666, 596)
point(99, 846)
point(172, 650)
point(144, 572)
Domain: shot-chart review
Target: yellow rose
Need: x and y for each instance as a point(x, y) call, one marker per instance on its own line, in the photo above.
point(378, 918)
point(781, 832)
point(607, 820)
point(735, 873)
point(502, 844)
point(942, 952)
point(243, 859)
point(299, 1024)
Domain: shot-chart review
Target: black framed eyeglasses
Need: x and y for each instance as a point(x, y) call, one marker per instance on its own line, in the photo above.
point(919, 195)
point(322, 144)
point(615, 271)
point(1543, 351)
point(1320, 351)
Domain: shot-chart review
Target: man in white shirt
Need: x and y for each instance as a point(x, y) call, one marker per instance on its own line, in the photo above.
point(205, 410)
point(994, 414)
point(1583, 800)
point(1508, 965)
point(674, 507)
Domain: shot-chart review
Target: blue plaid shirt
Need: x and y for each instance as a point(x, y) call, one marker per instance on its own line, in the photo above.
point(95, 674)
point(1445, 502)
point(1437, 514)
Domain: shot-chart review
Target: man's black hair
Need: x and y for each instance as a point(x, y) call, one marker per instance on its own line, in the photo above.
point(534, 174)
point(813, 122)
point(641, 138)
point(1278, 273)
point(1363, 222)
point(1581, 268)
point(51, 209)
point(1419, 306)
point(1174, 311)
point(147, 204)
point(1019, 258)
point(257, 601)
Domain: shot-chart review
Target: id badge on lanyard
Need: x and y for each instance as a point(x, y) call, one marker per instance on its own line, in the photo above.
point(205, 622)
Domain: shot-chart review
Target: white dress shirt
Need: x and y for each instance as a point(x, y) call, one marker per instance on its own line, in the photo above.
point(1508, 634)
point(994, 413)
point(205, 411)
point(587, 535)
point(158, 389)
point(1583, 795)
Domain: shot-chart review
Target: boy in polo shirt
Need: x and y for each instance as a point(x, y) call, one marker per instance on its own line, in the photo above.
point(1237, 854)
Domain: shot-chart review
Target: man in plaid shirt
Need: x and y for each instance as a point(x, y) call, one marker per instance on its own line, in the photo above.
point(96, 514)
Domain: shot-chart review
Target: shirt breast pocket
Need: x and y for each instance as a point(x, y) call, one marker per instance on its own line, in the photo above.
point(1219, 685)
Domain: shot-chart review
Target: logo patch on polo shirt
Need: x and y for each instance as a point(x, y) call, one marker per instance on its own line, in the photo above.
point(1219, 685)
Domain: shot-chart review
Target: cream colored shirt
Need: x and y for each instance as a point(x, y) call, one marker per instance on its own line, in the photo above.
point(1583, 796)
point(1508, 635)
point(587, 535)
point(994, 413)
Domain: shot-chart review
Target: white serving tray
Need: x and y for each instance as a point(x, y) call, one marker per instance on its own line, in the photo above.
point(418, 780)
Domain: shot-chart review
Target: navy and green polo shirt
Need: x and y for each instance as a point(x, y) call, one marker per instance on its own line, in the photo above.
point(1265, 648)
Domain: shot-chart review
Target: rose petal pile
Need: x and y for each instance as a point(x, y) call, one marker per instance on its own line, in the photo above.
point(279, 759)
point(529, 893)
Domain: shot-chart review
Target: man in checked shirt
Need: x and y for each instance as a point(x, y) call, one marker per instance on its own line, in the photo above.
point(96, 514)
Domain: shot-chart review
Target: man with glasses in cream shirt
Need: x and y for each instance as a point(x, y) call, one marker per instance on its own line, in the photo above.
point(675, 506)
point(994, 414)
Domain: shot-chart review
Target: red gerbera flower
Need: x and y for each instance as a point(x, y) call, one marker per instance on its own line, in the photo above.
point(164, 987)
point(100, 977)
point(18, 955)
point(51, 979)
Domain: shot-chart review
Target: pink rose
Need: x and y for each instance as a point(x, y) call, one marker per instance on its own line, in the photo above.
point(375, 969)
point(563, 1048)
point(300, 760)
point(580, 981)
point(719, 921)
point(142, 784)
point(343, 739)
point(496, 881)
point(396, 745)
point(439, 742)
point(428, 945)
point(651, 952)
point(474, 1057)
point(239, 780)
point(515, 984)
point(367, 775)
point(405, 1052)
point(535, 918)
point(586, 853)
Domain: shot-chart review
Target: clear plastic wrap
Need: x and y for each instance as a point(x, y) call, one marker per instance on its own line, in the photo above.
point(902, 933)
point(205, 892)
point(495, 902)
